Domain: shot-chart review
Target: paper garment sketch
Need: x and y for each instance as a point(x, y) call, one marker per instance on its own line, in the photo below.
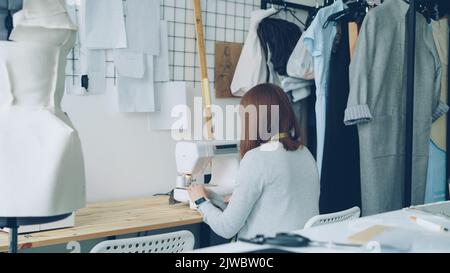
point(86, 69)
point(136, 92)
point(137, 95)
point(88, 77)
point(142, 26)
point(170, 95)
point(104, 24)
point(130, 64)
point(161, 64)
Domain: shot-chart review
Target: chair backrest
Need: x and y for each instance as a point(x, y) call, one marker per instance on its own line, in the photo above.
point(341, 216)
point(174, 242)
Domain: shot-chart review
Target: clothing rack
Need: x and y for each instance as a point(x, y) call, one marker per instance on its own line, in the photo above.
point(410, 52)
point(265, 3)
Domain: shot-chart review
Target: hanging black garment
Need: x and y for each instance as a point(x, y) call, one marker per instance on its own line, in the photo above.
point(340, 186)
point(312, 124)
point(281, 37)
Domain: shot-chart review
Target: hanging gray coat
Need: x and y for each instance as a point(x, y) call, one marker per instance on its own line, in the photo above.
point(377, 103)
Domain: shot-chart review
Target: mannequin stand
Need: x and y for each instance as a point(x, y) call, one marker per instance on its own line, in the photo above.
point(13, 223)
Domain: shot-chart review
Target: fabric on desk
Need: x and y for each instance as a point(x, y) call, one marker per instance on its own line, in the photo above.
point(138, 95)
point(301, 64)
point(142, 26)
point(340, 185)
point(104, 24)
point(319, 42)
point(161, 70)
point(251, 69)
point(271, 184)
point(280, 37)
point(377, 104)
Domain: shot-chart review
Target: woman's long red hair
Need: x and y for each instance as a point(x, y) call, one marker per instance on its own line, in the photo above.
point(270, 95)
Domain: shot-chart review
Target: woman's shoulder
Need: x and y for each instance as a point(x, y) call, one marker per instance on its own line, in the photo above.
point(303, 151)
point(271, 151)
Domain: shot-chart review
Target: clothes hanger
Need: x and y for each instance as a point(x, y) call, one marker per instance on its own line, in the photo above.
point(428, 8)
point(355, 11)
point(285, 8)
point(312, 13)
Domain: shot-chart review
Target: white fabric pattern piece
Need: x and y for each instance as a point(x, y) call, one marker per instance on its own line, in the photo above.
point(105, 24)
point(161, 64)
point(91, 62)
point(137, 95)
point(142, 26)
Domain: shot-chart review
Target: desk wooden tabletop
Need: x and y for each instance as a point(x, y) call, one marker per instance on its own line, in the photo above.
point(111, 219)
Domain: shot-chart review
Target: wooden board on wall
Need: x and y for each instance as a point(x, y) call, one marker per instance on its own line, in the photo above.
point(226, 59)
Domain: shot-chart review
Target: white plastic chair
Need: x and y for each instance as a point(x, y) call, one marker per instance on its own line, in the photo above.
point(175, 242)
point(341, 216)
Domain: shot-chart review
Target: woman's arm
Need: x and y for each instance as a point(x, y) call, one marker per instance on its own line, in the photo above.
point(248, 190)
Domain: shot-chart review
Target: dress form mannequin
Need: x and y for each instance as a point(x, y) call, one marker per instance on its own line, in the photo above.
point(41, 163)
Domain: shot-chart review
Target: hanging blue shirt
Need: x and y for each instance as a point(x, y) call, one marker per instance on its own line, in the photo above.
point(436, 183)
point(319, 42)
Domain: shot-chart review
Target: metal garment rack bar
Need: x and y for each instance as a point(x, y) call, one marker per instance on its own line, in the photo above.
point(265, 3)
point(447, 177)
point(410, 54)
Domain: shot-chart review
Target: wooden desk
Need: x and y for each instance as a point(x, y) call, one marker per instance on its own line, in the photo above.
point(112, 219)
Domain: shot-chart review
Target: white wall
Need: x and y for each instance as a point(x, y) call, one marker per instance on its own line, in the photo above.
point(123, 158)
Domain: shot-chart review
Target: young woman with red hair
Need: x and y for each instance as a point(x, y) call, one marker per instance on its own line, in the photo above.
point(277, 184)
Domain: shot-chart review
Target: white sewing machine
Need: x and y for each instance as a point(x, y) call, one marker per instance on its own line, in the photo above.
point(196, 158)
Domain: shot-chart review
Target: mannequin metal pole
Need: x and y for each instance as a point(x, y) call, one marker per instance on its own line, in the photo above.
point(13, 235)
